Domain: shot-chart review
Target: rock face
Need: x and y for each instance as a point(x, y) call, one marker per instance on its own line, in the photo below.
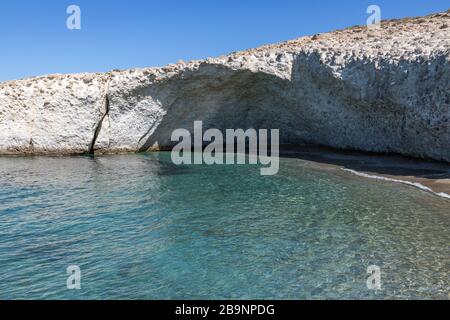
point(382, 90)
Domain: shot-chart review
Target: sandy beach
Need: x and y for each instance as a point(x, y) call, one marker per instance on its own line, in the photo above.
point(424, 174)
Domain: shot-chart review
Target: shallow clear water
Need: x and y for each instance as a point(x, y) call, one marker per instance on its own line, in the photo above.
point(140, 227)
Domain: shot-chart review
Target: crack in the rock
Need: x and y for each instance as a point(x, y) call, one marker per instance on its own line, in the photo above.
point(98, 128)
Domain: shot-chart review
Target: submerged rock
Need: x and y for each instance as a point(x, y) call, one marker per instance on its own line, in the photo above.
point(382, 90)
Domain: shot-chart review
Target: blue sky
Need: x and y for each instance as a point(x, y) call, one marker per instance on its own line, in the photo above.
point(118, 34)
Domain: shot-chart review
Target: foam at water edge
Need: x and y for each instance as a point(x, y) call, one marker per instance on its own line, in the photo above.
point(414, 184)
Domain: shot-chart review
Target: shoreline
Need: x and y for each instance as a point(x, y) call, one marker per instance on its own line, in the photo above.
point(428, 175)
point(410, 183)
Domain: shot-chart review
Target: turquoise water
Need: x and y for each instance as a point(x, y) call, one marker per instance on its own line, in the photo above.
point(141, 228)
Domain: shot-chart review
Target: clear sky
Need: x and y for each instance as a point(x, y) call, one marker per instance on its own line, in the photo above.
point(119, 34)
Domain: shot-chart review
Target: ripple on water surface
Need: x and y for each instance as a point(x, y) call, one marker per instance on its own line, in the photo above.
point(140, 227)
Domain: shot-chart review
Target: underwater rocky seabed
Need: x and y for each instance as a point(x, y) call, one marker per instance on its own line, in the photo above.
point(140, 227)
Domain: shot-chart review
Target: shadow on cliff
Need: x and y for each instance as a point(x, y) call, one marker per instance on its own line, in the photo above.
point(372, 106)
point(222, 98)
point(373, 163)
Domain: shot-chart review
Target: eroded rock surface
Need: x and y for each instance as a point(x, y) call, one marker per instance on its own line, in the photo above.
point(382, 90)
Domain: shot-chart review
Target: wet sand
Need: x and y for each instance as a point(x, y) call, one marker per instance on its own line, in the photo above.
point(424, 174)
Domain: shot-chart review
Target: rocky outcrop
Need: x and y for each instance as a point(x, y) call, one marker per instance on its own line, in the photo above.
point(382, 90)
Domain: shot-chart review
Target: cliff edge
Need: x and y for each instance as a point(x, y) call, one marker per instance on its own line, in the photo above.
point(381, 90)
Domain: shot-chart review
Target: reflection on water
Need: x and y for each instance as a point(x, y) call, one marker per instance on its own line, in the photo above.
point(140, 227)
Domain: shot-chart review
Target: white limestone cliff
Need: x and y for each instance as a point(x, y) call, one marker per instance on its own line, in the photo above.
point(381, 90)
